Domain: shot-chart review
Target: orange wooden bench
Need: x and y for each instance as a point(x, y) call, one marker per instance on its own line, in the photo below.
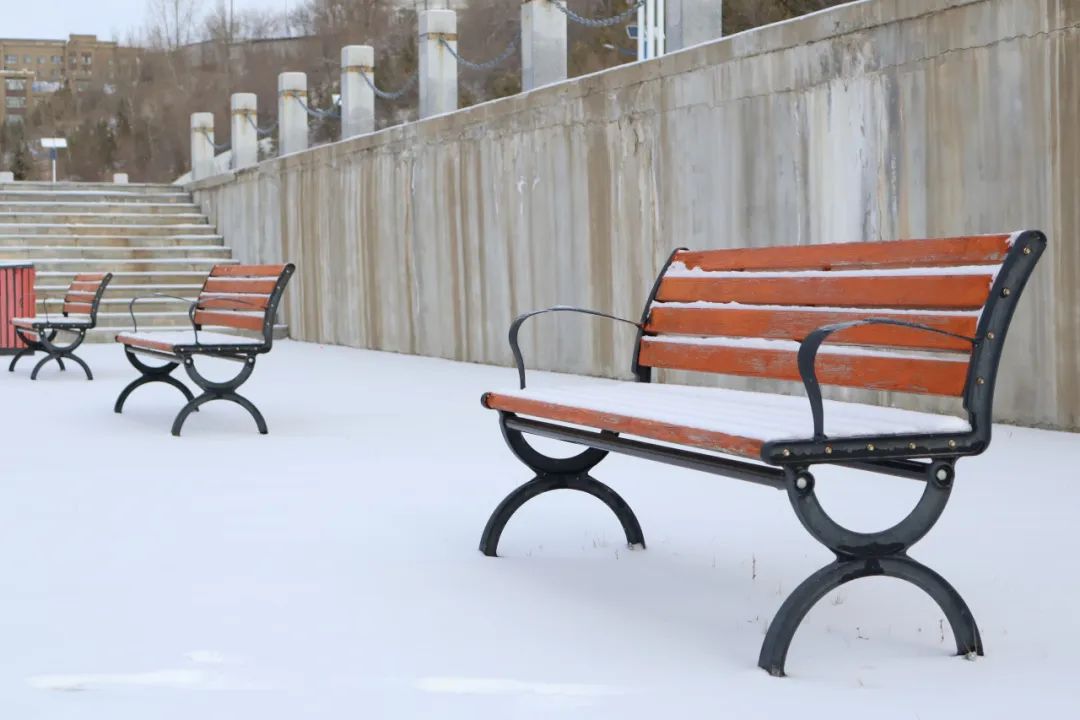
point(78, 314)
point(913, 316)
point(242, 299)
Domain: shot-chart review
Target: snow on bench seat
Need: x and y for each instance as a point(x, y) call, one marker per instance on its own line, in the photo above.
point(57, 319)
point(166, 340)
point(729, 421)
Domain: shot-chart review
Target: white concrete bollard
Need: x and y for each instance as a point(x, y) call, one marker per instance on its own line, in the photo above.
point(357, 97)
point(692, 22)
point(292, 118)
point(438, 68)
point(7, 177)
point(120, 178)
point(202, 145)
point(245, 138)
point(543, 44)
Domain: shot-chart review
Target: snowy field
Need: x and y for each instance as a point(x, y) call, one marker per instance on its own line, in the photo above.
point(329, 570)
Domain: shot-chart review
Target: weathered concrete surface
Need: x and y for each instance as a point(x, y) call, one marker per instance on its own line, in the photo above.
point(883, 119)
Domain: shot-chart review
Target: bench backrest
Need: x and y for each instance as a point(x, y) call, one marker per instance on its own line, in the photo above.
point(744, 311)
point(243, 297)
point(84, 294)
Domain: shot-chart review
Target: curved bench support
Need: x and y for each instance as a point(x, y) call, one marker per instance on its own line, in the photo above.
point(219, 391)
point(44, 340)
point(570, 473)
point(860, 555)
point(150, 374)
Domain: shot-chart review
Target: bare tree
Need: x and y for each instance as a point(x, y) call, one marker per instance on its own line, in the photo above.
point(172, 24)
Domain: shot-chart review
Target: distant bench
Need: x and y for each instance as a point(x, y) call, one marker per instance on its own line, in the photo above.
point(78, 315)
point(243, 298)
point(914, 316)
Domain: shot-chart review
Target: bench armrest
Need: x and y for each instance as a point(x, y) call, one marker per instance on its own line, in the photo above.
point(135, 322)
point(515, 327)
point(45, 300)
point(808, 351)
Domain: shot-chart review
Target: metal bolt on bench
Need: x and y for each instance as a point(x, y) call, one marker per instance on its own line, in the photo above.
point(912, 316)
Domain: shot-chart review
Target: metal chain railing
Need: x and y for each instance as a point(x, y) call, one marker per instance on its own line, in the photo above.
point(397, 94)
point(490, 64)
point(263, 131)
point(598, 22)
point(217, 148)
point(316, 113)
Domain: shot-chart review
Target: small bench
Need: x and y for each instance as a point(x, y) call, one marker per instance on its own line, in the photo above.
point(78, 315)
point(913, 316)
point(243, 298)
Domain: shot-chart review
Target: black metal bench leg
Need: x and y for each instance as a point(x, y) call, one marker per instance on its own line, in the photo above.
point(555, 474)
point(219, 391)
point(59, 352)
point(19, 356)
point(862, 555)
point(150, 374)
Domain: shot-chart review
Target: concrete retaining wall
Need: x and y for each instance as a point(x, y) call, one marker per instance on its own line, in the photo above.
point(880, 119)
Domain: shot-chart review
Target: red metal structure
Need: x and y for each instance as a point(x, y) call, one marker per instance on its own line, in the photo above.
point(17, 299)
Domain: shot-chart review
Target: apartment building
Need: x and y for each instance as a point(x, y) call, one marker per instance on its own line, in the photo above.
point(15, 91)
point(82, 61)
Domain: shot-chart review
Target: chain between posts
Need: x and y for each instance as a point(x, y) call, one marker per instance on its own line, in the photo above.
point(217, 148)
point(316, 113)
point(490, 64)
point(598, 22)
point(395, 95)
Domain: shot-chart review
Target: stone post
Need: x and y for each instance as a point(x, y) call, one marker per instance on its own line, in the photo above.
point(357, 97)
point(692, 22)
point(543, 44)
point(438, 68)
point(245, 138)
point(202, 145)
point(292, 118)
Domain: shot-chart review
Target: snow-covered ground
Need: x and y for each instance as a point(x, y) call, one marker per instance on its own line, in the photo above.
point(329, 570)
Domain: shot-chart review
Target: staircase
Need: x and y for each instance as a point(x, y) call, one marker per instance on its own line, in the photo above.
point(152, 238)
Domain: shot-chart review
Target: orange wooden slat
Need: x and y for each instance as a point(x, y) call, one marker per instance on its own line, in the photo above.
point(874, 372)
point(940, 252)
point(147, 343)
point(90, 277)
point(78, 308)
point(225, 286)
point(797, 324)
point(247, 271)
point(943, 292)
point(665, 432)
point(235, 302)
point(228, 319)
point(87, 287)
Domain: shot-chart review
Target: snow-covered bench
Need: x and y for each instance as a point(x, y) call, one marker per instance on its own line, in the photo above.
point(238, 298)
point(912, 316)
point(78, 314)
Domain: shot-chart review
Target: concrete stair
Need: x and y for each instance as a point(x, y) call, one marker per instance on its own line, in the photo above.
point(152, 238)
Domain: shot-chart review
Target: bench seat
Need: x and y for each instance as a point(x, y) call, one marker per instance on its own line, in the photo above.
point(168, 340)
point(733, 422)
point(56, 321)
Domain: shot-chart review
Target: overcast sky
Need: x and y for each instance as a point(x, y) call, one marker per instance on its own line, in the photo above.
point(108, 19)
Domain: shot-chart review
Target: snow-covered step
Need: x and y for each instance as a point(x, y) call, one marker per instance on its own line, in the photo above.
point(70, 186)
point(64, 208)
point(120, 291)
point(9, 195)
point(101, 218)
point(128, 277)
point(117, 230)
point(164, 266)
point(159, 240)
point(46, 253)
